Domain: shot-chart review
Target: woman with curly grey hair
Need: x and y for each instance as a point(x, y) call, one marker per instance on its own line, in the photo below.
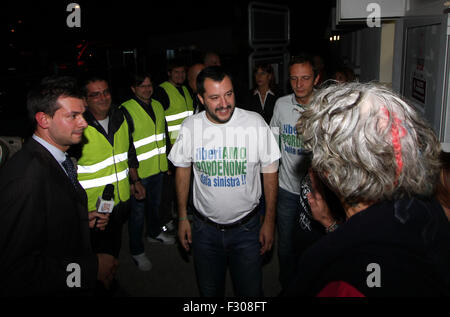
point(382, 160)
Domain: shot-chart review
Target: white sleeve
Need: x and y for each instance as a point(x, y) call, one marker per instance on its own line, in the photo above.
point(271, 168)
point(181, 153)
point(269, 151)
point(274, 124)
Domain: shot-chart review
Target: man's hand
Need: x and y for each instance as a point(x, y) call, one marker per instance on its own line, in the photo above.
point(107, 267)
point(266, 235)
point(138, 190)
point(184, 233)
point(267, 231)
point(102, 220)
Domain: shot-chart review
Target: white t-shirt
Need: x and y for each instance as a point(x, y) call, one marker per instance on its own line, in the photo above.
point(227, 160)
point(293, 159)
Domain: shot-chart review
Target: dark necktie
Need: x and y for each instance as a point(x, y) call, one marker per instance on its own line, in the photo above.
point(71, 171)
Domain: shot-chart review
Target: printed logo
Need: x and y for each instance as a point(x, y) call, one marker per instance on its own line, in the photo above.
point(74, 18)
point(374, 278)
point(74, 278)
point(373, 19)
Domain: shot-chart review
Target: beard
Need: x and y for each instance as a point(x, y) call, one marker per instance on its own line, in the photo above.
point(212, 114)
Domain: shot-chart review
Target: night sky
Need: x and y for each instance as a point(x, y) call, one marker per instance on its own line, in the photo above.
point(36, 41)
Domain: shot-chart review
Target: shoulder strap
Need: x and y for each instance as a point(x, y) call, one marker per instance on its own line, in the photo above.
point(129, 119)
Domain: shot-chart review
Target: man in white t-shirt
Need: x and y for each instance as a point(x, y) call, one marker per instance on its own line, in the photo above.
point(303, 77)
point(228, 148)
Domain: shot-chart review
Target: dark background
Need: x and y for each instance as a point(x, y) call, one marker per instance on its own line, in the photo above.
point(36, 42)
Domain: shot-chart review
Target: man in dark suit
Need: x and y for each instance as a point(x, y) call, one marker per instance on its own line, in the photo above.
point(44, 234)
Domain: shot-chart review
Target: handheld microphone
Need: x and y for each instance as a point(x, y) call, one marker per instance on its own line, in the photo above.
point(105, 204)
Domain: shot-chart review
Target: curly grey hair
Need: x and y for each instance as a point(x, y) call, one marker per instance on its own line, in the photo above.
point(368, 144)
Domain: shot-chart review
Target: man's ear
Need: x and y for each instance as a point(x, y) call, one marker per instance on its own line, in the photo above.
point(201, 99)
point(42, 119)
point(317, 79)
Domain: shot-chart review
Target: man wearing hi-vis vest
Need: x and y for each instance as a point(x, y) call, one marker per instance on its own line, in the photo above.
point(107, 157)
point(149, 137)
point(175, 98)
point(178, 105)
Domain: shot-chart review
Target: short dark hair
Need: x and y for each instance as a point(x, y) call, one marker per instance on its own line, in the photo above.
point(216, 73)
point(136, 79)
point(90, 79)
point(44, 97)
point(175, 63)
point(304, 58)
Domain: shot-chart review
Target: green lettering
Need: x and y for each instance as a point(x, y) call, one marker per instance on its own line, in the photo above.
point(243, 153)
point(235, 153)
point(219, 168)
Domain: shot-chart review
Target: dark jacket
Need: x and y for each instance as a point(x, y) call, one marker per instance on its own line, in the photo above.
point(43, 227)
point(253, 103)
point(403, 245)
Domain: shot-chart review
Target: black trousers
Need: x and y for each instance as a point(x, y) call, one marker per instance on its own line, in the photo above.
point(109, 241)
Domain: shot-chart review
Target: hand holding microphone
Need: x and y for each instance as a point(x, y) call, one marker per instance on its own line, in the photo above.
point(105, 204)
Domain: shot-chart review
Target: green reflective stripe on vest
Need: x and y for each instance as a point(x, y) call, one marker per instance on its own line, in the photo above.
point(149, 141)
point(179, 109)
point(101, 164)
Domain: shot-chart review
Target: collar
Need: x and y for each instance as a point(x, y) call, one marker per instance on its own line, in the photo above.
point(59, 155)
point(294, 101)
point(256, 92)
point(140, 102)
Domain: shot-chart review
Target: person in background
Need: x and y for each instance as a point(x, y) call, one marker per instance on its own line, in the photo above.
point(44, 221)
point(149, 138)
point(192, 74)
point(294, 164)
point(383, 164)
point(339, 75)
point(263, 96)
point(107, 156)
point(443, 187)
point(178, 105)
point(211, 59)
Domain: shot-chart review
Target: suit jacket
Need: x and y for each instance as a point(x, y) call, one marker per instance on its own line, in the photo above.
point(43, 228)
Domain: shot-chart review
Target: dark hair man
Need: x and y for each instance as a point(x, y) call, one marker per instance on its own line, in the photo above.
point(149, 138)
point(44, 232)
point(227, 148)
point(107, 156)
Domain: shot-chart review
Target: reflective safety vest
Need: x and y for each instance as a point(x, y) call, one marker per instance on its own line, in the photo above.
point(149, 139)
point(101, 164)
point(180, 108)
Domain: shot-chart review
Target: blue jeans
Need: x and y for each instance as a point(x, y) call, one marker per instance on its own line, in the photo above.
point(142, 209)
point(214, 250)
point(287, 213)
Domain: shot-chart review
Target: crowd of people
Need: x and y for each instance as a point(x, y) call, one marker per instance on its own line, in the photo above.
point(345, 177)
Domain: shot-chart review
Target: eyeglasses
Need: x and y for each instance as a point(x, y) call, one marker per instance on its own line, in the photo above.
point(144, 86)
point(97, 94)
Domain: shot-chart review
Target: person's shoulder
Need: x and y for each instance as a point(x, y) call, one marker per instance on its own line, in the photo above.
point(281, 102)
point(249, 116)
point(284, 99)
point(189, 121)
point(28, 163)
